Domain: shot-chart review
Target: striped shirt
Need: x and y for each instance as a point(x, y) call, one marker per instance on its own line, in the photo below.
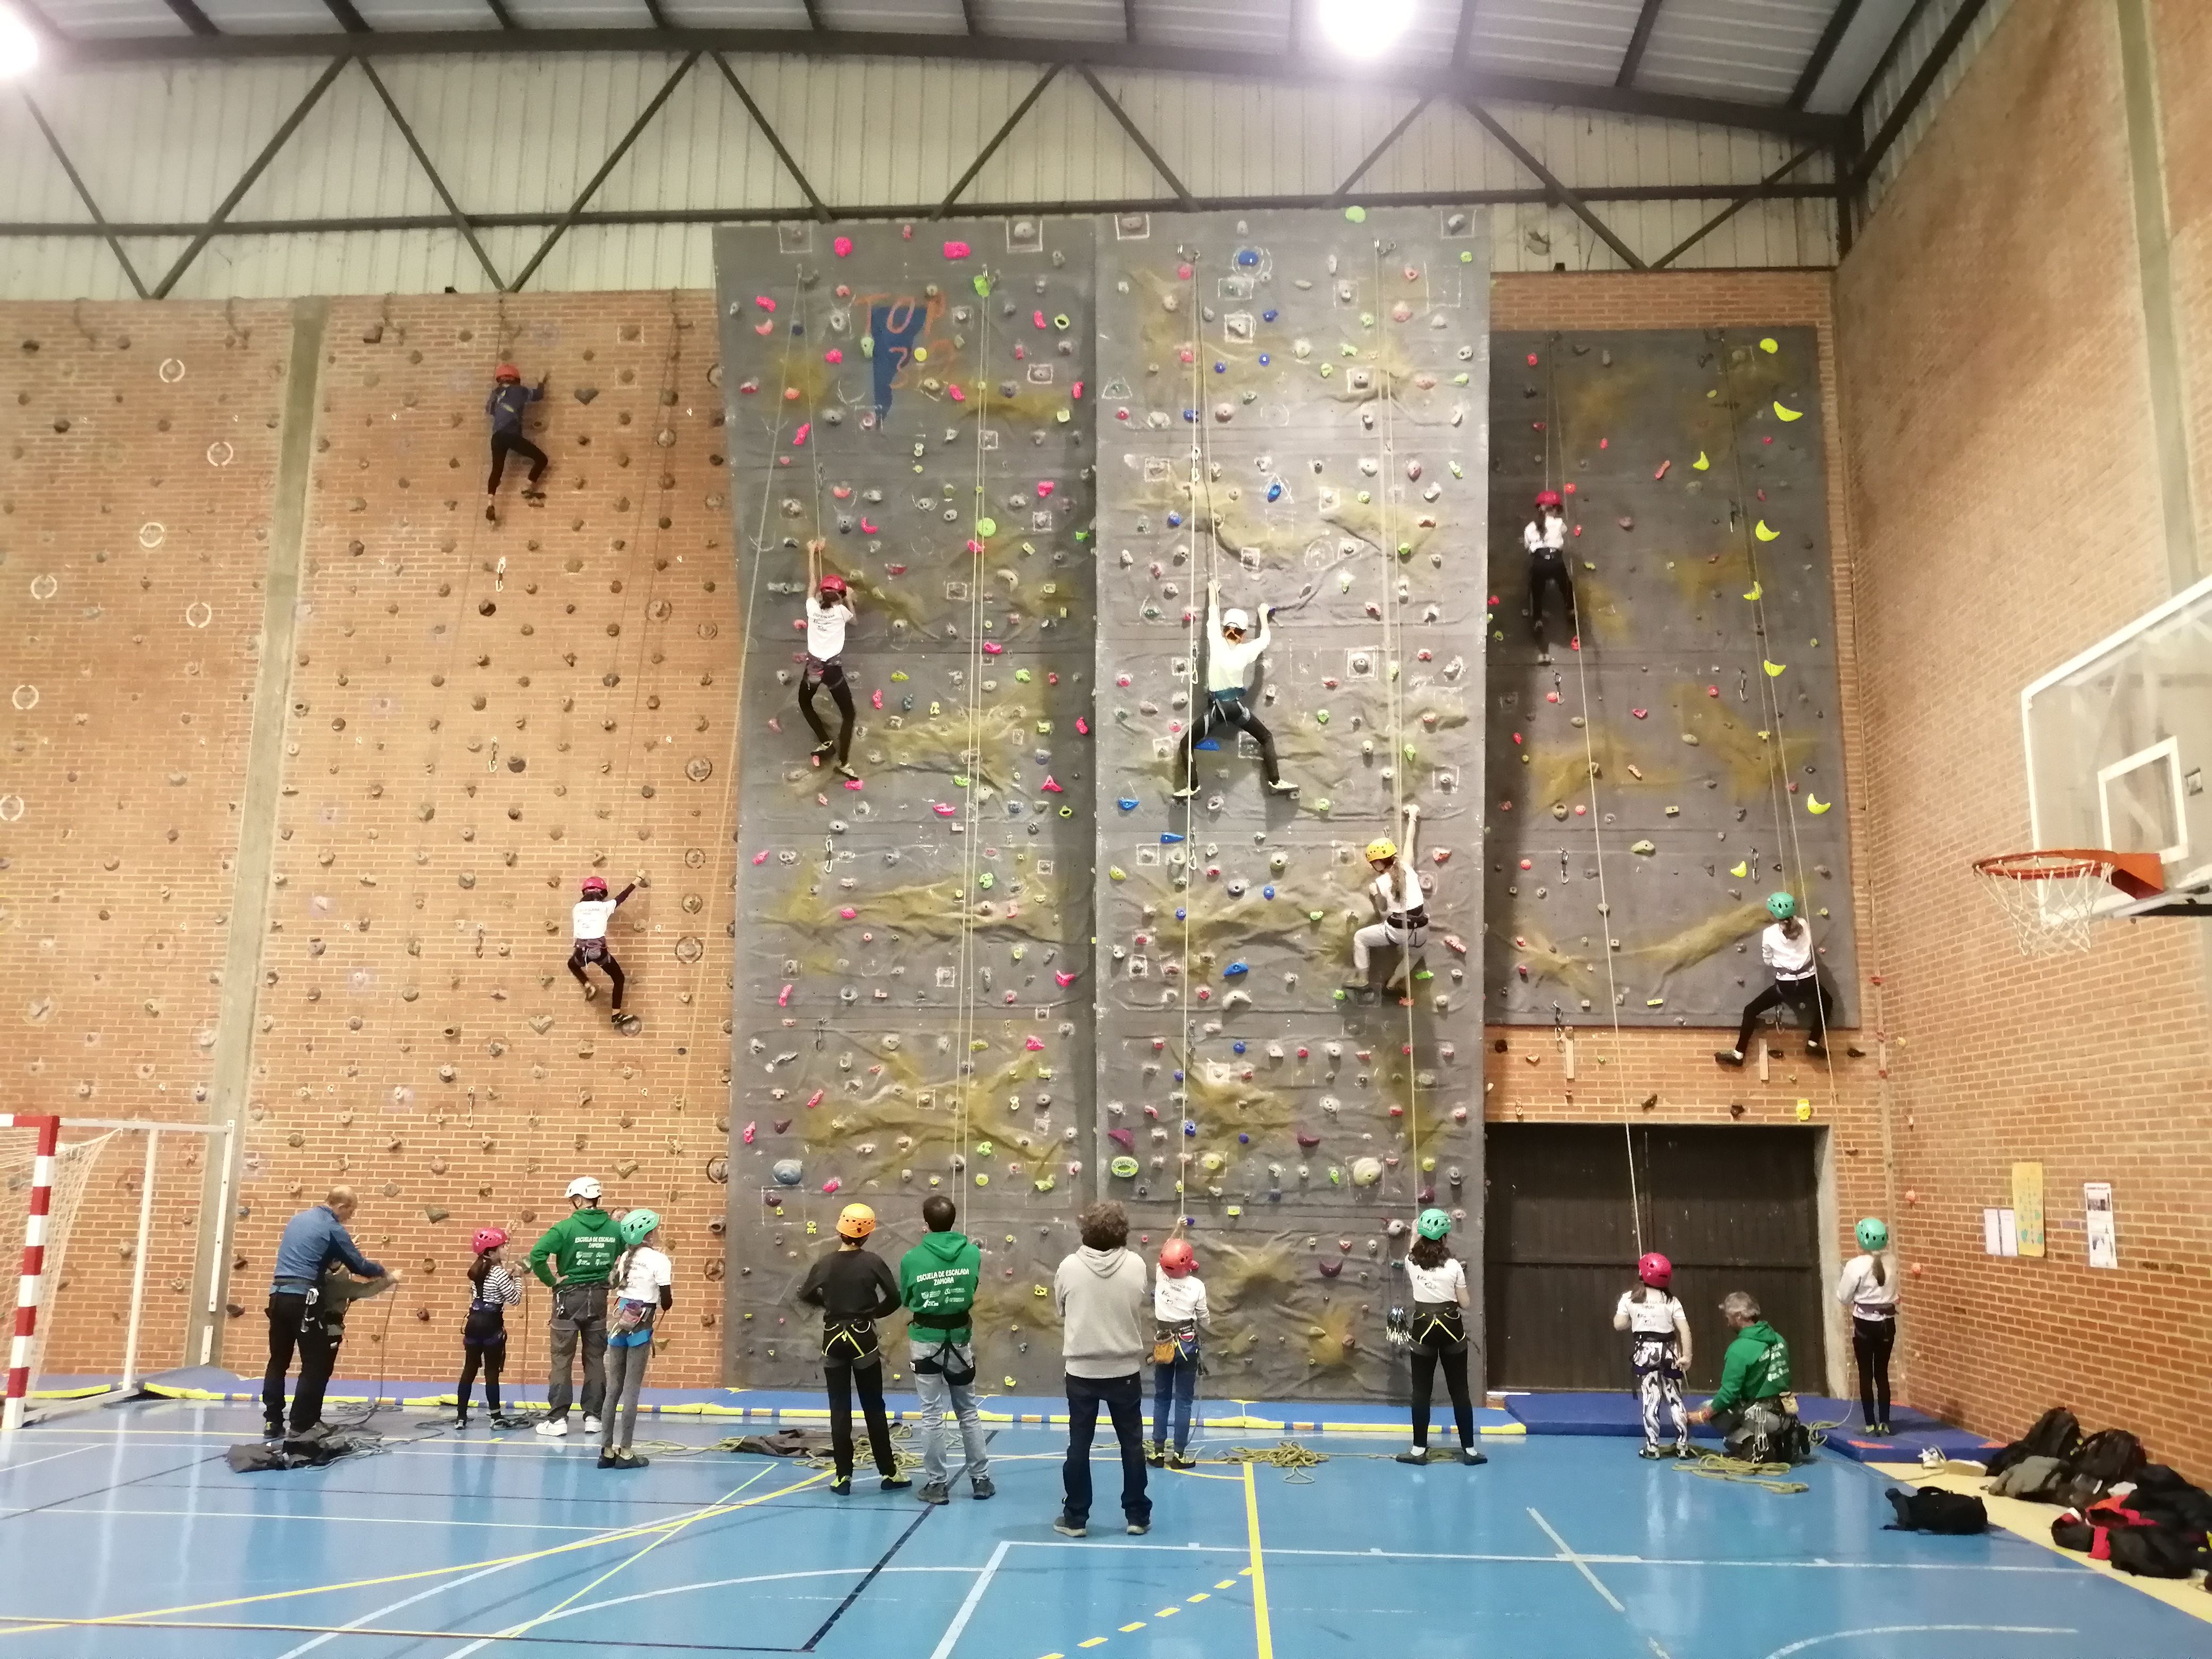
point(498, 1290)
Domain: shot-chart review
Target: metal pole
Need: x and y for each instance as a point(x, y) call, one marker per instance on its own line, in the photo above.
point(221, 1243)
point(32, 1279)
point(138, 1261)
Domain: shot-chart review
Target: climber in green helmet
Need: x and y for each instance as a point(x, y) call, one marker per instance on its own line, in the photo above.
point(1787, 947)
point(1868, 1289)
point(1435, 1287)
point(640, 1282)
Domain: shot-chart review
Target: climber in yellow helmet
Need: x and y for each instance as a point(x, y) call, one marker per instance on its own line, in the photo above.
point(853, 1288)
point(1401, 906)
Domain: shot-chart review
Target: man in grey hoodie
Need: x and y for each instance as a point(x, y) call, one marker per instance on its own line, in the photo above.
point(1105, 1312)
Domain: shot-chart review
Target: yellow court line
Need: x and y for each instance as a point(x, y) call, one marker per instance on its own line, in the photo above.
point(1263, 1636)
point(674, 1523)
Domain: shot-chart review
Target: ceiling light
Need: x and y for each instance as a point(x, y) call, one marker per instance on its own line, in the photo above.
point(19, 47)
point(1365, 28)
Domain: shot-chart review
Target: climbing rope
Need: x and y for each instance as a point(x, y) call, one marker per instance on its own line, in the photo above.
point(1716, 1466)
point(1198, 478)
point(1296, 1463)
point(972, 758)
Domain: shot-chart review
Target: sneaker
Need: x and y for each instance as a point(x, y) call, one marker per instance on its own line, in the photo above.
point(461, 1421)
point(1729, 1056)
point(1183, 793)
point(842, 1485)
point(1068, 1526)
point(1817, 1051)
point(1469, 1456)
point(1184, 1460)
point(1157, 1455)
point(824, 750)
point(632, 1460)
point(896, 1482)
point(934, 1492)
point(1138, 1528)
point(591, 1423)
point(843, 770)
point(273, 1431)
point(1279, 787)
point(491, 513)
point(553, 1428)
point(1417, 1455)
point(983, 1487)
point(1651, 1452)
point(608, 1460)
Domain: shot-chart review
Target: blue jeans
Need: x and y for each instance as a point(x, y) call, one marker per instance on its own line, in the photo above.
point(1174, 1384)
point(1124, 1400)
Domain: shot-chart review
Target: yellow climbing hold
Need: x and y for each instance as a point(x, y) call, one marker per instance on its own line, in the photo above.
point(1115, 873)
point(1764, 534)
point(1815, 806)
point(987, 526)
point(1770, 344)
point(1357, 215)
point(1773, 669)
point(1781, 414)
point(1740, 871)
point(1757, 593)
point(898, 674)
point(1701, 465)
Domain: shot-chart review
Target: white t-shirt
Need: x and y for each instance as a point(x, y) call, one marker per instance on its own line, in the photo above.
point(1229, 662)
point(589, 918)
point(1440, 1284)
point(1398, 891)
point(826, 629)
point(1540, 532)
point(1790, 959)
point(1857, 1290)
point(648, 1276)
point(1649, 1318)
point(1179, 1301)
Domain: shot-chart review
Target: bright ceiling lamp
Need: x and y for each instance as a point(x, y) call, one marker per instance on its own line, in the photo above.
point(19, 47)
point(1365, 28)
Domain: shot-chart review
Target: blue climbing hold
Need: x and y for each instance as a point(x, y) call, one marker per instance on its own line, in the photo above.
point(1211, 743)
point(1275, 490)
point(1263, 355)
point(1169, 838)
point(1235, 968)
point(1127, 803)
point(1268, 316)
point(1174, 519)
point(1268, 892)
point(1182, 914)
point(1178, 1077)
point(1190, 1130)
point(1221, 368)
point(1190, 417)
point(1248, 257)
point(1239, 1046)
point(1243, 1140)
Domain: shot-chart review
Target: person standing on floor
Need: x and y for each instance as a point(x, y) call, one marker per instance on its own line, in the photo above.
point(829, 613)
point(314, 1241)
point(587, 924)
point(1868, 1289)
point(483, 1339)
point(1787, 947)
point(1436, 1284)
point(937, 1282)
point(581, 1247)
point(640, 1282)
point(1401, 909)
point(1545, 536)
point(1660, 1350)
point(1178, 1309)
point(1754, 1404)
point(509, 399)
point(853, 1288)
point(1229, 658)
point(1105, 1316)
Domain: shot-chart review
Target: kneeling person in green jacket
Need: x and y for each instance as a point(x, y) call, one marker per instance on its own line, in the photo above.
point(937, 1282)
point(1754, 1405)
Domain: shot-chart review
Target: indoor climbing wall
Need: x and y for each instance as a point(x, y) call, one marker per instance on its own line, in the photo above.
point(483, 714)
point(911, 409)
point(141, 444)
point(1652, 778)
point(1293, 404)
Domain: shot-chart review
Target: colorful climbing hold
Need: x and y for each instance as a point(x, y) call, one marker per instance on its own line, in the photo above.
point(1701, 465)
point(1765, 534)
point(1781, 414)
point(1816, 807)
point(1773, 669)
point(1770, 344)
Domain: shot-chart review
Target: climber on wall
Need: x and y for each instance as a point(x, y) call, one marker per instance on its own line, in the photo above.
point(1546, 537)
point(1787, 947)
point(829, 610)
point(1399, 903)
point(509, 398)
point(593, 910)
point(1229, 661)
point(582, 1245)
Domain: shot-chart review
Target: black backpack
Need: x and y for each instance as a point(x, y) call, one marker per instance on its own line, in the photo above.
point(2108, 1456)
point(2056, 1433)
point(1932, 1510)
point(2152, 1552)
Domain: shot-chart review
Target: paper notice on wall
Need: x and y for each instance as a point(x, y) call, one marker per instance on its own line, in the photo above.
point(1999, 1235)
point(2097, 1205)
point(2027, 1207)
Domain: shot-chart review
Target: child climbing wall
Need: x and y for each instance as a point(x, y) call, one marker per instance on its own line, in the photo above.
point(1293, 404)
point(913, 1015)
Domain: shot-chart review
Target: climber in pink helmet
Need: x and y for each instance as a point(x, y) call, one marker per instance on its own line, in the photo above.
point(589, 926)
point(483, 1339)
point(1660, 1334)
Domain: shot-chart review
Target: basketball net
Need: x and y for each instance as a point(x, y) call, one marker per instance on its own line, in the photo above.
point(2051, 898)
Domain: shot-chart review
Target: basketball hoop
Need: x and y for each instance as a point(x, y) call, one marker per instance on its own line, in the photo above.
point(2051, 897)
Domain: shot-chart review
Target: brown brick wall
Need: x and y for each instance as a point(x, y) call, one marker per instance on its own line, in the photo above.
point(2003, 500)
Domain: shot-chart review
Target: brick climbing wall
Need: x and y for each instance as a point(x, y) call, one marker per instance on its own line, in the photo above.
point(141, 446)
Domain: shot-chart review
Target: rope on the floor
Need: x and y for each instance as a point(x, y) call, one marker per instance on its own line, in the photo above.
point(1294, 1460)
point(1716, 1466)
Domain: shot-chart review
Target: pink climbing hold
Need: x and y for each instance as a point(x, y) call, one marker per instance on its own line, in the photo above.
point(1526, 864)
point(1712, 690)
point(1076, 392)
point(814, 1099)
point(831, 1185)
point(992, 648)
point(876, 698)
point(1517, 736)
point(763, 302)
point(1183, 272)
point(1049, 783)
point(1063, 980)
point(1663, 465)
point(853, 783)
point(975, 547)
point(1768, 441)
point(955, 393)
point(867, 527)
point(763, 329)
point(750, 1129)
point(1569, 490)
point(798, 437)
point(1082, 726)
point(848, 912)
point(957, 250)
point(842, 247)
point(1037, 317)
point(1639, 712)
point(761, 857)
point(833, 356)
point(1122, 1137)
point(940, 809)
point(1045, 487)
point(1532, 359)
point(1605, 443)
point(1033, 1044)
point(783, 997)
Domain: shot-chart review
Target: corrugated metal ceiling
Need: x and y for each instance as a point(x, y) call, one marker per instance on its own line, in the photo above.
point(1751, 51)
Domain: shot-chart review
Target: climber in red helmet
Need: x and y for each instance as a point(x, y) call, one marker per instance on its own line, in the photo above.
point(1178, 1309)
point(828, 610)
point(509, 398)
point(1661, 1351)
point(484, 1338)
point(589, 926)
point(1546, 537)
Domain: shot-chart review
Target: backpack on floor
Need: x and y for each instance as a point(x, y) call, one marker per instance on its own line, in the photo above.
point(2110, 1456)
point(2154, 1552)
point(2056, 1433)
point(1931, 1508)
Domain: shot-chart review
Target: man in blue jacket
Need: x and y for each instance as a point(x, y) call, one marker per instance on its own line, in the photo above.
point(314, 1241)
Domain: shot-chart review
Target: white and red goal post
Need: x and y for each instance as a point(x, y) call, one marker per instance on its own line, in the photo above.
point(31, 1281)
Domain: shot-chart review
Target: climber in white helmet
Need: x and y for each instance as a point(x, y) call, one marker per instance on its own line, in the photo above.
point(582, 1246)
point(1229, 661)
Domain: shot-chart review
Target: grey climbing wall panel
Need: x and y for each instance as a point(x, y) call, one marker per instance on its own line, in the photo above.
point(1295, 402)
point(1654, 779)
point(910, 1010)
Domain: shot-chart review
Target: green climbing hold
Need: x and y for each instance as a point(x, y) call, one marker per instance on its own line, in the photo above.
point(987, 881)
point(1340, 993)
point(982, 285)
point(982, 1149)
point(1357, 214)
point(1322, 805)
point(1021, 676)
point(1321, 716)
point(1466, 258)
point(986, 527)
point(1313, 915)
point(1123, 1168)
point(867, 345)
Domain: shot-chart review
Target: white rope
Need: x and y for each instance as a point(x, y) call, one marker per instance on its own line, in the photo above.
point(972, 759)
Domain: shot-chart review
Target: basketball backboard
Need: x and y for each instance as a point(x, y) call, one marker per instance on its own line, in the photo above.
point(2119, 749)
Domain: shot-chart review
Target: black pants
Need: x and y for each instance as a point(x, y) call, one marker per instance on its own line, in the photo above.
point(504, 444)
point(1871, 1341)
point(1549, 570)
point(595, 952)
point(1425, 1362)
point(1807, 996)
point(830, 677)
point(1231, 711)
point(1124, 1400)
point(842, 1380)
point(291, 1326)
point(483, 1343)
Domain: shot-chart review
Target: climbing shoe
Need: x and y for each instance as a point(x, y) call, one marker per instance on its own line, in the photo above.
point(1651, 1452)
point(1730, 1057)
point(461, 1421)
point(1184, 794)
point(1469, 1456)
point(934, 1492)
point(491, 513)
point(1138, 1528)
point(842, 1485)
point(1067, 1527)
point(1279, 787)
point(896, 1483)
point(843, 770)
point(1816, 1049)
point(1157, 1455)
point(983, 1487)
point(534, 495)
point(1417, 1455)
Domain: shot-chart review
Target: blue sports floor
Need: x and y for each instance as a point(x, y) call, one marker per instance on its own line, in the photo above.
point(124, 1533)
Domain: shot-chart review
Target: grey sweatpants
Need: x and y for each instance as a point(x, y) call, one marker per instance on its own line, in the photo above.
point(625, 1378)
point(938, 1395)
point(580, 1315)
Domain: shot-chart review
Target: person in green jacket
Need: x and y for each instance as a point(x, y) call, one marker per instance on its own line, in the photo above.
point(583, 1246)
point(1754, 1405)
point(937, 1282)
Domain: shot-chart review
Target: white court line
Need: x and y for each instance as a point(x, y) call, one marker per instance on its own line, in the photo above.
point(1579, 1564)
point(952, 1636)
point(1901, 1630)
point(34, 1463)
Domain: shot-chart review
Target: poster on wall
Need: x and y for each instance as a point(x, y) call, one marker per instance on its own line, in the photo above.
point(2027, 1206)
point(2097, 1208)
point(2000, 1233)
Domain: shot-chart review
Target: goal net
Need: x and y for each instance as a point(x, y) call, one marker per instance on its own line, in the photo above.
point(74, 1163)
